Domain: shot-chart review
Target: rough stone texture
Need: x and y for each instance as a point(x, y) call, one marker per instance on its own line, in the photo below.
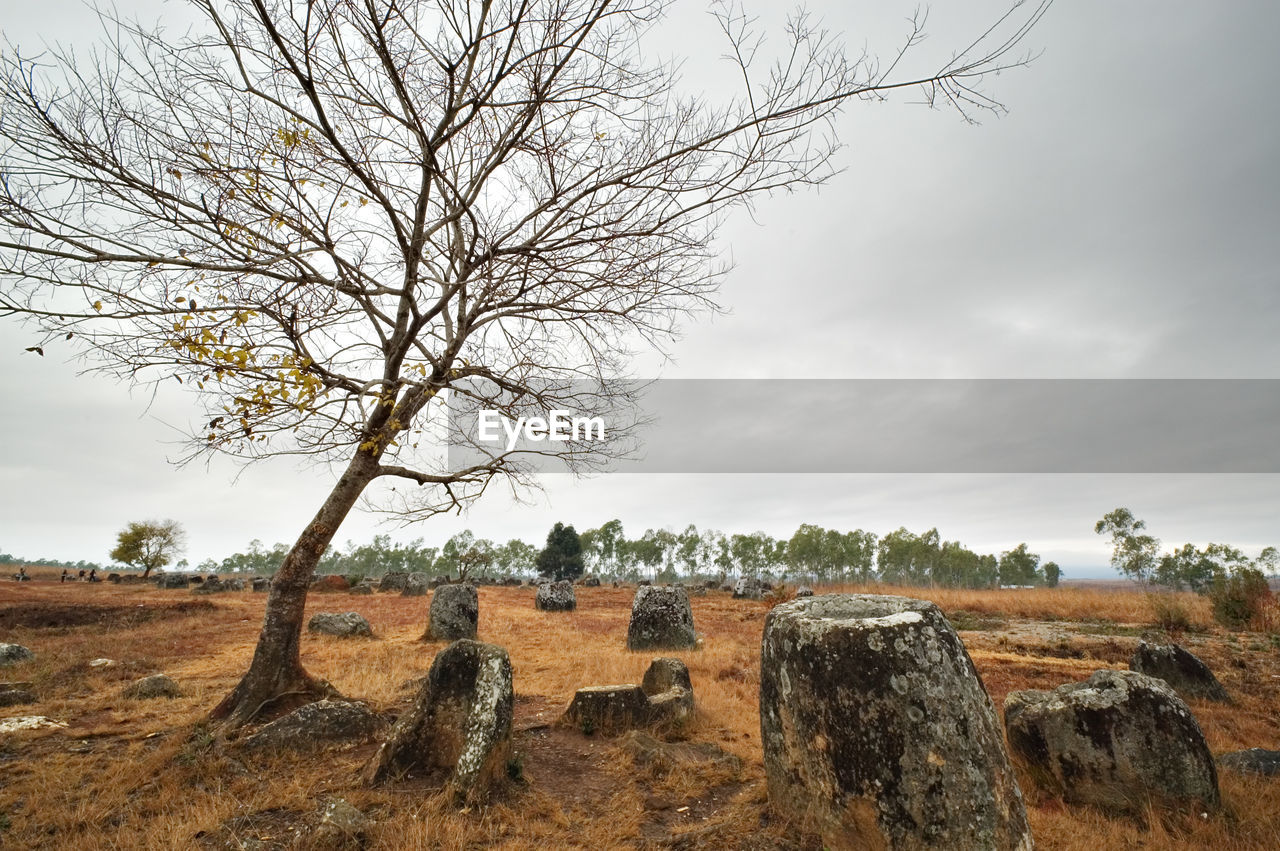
point(877, 731)
point(608, 709)
point(261, 584)
point(393, 580)
point(330, 582)
point(661, 620)
point(1184, 673)
point(455, 611)
point(341, 826)
point(804, 591)
point(15, 696)
point(748, 589)
point(556, 597)
point(339, 623)
point(669, 691)
point(460, 722)
point(416, 585)
point(212, 585)
point(12, 654)
point(169, 581)
point(1119, 740)
point(365, 587)
point(156, 685)
point(317, 725)
point(1252, 761)
point(28, 722)
point(235, 583)
point(591, 582)
point(665, 697)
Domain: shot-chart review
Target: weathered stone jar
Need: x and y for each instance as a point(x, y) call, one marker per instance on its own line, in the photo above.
point(877, 731)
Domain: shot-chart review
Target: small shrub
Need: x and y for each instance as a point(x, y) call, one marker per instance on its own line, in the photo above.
point(1241, 598)
point(588, 726)
point(1171, 614)
point(515, 767)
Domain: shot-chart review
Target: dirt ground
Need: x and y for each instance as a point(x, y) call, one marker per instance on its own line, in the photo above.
point(146, 774)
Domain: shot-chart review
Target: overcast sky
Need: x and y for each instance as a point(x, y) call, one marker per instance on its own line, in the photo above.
point(1119, 222)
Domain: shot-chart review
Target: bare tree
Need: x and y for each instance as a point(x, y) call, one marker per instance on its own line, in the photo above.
point(320, 215)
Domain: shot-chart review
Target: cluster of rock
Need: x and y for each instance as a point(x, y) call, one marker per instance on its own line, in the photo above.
point(663, 698)
point(215, 585)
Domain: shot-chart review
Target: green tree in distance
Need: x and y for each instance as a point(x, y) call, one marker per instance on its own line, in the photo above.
point(561, 558)
point(1052, 574)
point(149, 544)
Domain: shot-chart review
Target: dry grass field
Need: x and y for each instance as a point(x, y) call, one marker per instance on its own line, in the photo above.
point(147, 774)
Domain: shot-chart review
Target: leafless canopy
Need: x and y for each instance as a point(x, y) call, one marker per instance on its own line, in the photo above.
point(321, 213)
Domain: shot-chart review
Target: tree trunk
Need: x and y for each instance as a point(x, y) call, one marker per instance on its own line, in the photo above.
point(276, 682)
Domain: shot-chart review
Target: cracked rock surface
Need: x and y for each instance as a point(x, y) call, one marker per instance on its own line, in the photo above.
point(877, 731)
point(1119, 740)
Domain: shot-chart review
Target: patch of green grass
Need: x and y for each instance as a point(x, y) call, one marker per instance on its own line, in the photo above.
point(962, 619)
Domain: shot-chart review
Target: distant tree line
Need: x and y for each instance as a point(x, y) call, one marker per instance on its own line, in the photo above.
point(6, 558)
point(1236, 584)
point(811, 554)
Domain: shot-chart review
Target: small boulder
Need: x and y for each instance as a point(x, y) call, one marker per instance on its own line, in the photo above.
point(12, 654)
point(877, 732)
point(341, 826)
point(15, 696)
point(1120, 740)
point(556, 597)
point(170, 581)
point(455, 612)
point(393, 580)
point(748, 589)
point(591, 581)
point(460, 723)
point(416, 585)
point(1252, 761)
point(661, 619)
point(235, 583)
point(316, 725)
point(804, 591)
point(342, 624)
point(156, 685)
point(1184, 672)
point(362, 588)
point(261, 584)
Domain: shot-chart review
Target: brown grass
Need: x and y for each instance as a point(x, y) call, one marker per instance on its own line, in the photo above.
point(128, 774)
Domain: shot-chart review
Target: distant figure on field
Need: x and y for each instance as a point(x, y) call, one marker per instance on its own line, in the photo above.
point(93, 575)
point(21, 575)
point(64, 574)
point(82, 574)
